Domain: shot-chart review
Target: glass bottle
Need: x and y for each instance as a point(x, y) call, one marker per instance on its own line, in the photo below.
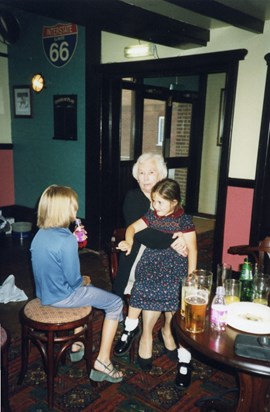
point(246, 280)
point(218, 317)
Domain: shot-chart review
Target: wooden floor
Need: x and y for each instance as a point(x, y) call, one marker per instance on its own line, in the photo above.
point(203, 224)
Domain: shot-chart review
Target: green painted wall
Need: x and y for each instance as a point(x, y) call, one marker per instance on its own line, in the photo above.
point(38, 159)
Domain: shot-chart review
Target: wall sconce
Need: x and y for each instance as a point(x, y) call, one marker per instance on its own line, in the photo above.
point(38, 83)
point(139, 50)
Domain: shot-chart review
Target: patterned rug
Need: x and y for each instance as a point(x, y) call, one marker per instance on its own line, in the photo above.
point(139, 391)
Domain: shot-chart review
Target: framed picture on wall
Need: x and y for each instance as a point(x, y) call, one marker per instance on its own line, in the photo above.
point(22, 101)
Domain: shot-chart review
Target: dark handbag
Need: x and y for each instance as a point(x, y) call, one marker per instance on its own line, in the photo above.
point(251, 346)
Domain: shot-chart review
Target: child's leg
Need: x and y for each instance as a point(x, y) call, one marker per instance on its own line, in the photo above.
point(132, 319)
point(130, 332)
point(150, 318)
point(166, 332)
point(108, 332)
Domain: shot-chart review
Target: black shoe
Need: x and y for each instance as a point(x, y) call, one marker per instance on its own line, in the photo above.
point(172, 354)
point(181, 380)
point(122, 347)
point(145, 364)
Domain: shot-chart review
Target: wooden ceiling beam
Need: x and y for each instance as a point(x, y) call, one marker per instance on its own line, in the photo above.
point(219, 11)
point(120, 18)
point(136, 22)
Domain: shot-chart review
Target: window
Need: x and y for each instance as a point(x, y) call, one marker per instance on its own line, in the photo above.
point(160, 130)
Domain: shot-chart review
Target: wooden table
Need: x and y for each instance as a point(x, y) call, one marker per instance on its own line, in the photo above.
point(254, 375)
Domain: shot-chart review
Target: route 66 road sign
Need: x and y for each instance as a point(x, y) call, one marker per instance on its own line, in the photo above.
point(59, 43)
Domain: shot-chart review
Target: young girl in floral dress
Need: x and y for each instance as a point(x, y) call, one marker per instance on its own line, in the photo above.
point(159, 271)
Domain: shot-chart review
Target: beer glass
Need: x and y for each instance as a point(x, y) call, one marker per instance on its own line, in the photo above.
point(203, 279)
point(188, 285)
point(261, 288)
point(232, 290)
point(195, 310)
point(224, 271)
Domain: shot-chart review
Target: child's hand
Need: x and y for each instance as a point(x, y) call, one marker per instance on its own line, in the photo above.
point(124, 247)
point(86, 280)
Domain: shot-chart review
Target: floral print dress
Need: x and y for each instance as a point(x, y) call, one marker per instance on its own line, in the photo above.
point(160, 271)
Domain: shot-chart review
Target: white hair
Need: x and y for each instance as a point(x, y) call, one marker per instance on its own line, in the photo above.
point(157, 158)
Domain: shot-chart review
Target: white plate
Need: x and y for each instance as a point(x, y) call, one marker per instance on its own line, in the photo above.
point(249, 317)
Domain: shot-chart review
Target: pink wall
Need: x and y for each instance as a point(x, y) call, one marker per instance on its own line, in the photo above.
point(7, 197)
point(237, 222)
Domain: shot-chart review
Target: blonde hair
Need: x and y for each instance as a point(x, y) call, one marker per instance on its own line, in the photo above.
point(57, 207)
point(157, 158)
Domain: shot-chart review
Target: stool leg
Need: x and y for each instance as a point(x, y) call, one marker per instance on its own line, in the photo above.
point(4, 380)
point(89, 344)
point(51, 368)
point(25, 353)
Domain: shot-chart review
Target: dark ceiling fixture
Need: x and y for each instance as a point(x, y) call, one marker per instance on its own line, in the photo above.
point(9, 28)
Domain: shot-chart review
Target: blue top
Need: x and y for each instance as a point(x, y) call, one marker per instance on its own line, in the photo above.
point(56, 264)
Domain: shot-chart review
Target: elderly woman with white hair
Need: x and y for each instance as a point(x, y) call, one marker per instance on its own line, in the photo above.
point(148, 170)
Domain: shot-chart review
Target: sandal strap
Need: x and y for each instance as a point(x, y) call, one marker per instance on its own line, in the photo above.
point(112, 372)
point(79, 344)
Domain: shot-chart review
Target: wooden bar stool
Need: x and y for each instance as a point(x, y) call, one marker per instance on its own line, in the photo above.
point(52, 331)
point(4, 341)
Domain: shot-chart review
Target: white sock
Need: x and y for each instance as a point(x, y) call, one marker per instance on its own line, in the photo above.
point(130, 325)
point(184, 356)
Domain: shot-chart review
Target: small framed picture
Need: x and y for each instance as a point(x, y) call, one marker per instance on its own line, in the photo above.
point(22, 101)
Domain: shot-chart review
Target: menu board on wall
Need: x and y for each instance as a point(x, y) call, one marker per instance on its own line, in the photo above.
point(65, 117)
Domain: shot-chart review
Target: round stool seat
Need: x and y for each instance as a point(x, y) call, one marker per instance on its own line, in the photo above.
point(37, 312)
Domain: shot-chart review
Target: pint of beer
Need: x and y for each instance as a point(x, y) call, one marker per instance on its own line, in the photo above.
point(195, 312)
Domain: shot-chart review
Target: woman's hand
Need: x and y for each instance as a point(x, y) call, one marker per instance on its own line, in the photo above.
point(179, 245)
point(124, 246)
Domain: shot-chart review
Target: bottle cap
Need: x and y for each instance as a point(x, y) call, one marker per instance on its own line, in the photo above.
point(220, 290)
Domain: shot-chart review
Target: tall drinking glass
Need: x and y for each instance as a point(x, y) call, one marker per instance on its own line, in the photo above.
point(203, 279)
point(261, 289)
point(195, 310)
point(188, 285)
point(224, 271)
point(232, 290)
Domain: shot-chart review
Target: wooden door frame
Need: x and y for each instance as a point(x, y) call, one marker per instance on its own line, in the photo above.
point(217, 62)
point(260, 222)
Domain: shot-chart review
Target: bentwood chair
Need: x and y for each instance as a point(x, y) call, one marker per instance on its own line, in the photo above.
point(118, 235)
point(52, 331)
point(260, 254)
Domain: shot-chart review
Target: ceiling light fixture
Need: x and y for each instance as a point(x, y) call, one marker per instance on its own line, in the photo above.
point(38, 83)
point(139, 50)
